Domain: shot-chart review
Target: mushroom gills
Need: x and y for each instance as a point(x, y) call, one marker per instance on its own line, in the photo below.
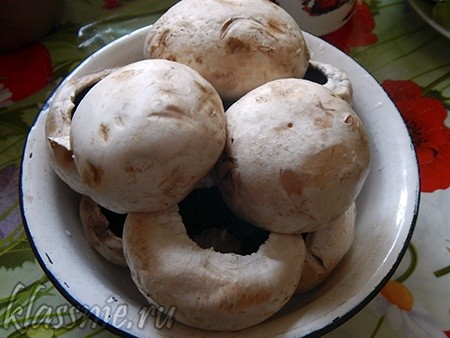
point(58, 125)
point(103, 230)
point(116, 221)
point(211, 224)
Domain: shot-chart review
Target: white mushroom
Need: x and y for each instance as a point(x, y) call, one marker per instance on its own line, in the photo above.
point(99, 235)
point(325, 248)
point(337, 80)
point(210, 290)
point(242, 45)
point(296, 156)
point(57, 127)
point(145, 135)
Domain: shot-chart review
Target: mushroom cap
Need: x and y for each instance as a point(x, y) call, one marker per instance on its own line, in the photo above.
point(296, 156)
point(145, 135)
point(58, 123)
point(210, 290)
point(325, 248)
point(97, 230)
point(243, 45)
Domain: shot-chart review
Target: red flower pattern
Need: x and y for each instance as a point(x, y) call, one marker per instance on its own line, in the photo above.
point(424, 117)
point(356, 32)
point(110, 4)
point(32, 63)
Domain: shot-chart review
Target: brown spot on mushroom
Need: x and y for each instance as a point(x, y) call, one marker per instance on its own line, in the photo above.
point(158, 45)
point(119, 121)
point(236, 45)
point(202, 88)
point(132, 172)
point(163, 37)
point(248, 299)
point(276, 26)
point(322, 163)
point(171, 111)
point(323, 122)
point(284, 126)
point(62, 155)
point(104, 132)
point(130, 169)
point(171, 57)
point(291, 182)
point(134, 168)
point(321, 106)
point(279, 91)
point(218, 74)
point(92, 175)
point(327, 109)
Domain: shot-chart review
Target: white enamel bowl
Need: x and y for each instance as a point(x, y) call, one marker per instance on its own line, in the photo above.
point(387, 209)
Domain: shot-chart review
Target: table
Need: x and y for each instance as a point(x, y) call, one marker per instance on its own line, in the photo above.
point(408, 57)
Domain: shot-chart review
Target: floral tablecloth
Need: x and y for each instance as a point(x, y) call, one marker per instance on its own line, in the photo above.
point(408, 58)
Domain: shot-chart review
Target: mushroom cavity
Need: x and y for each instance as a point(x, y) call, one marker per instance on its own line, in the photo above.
point(211, 224)
point(58, 124)
point(296, 156)
point(243, 45)
point(145, 135)
point(336, 80)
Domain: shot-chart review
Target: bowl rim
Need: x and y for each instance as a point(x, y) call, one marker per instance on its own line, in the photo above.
point(338, 321)
point(423, 9)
